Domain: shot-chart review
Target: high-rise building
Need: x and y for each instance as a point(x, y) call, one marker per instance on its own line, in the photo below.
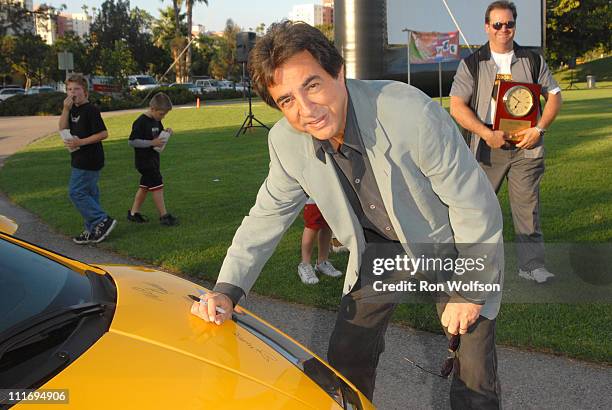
point(46, 26)
point(308, 13)
point(51, 27)
point(328, 15)
point(78, 23)
point(314, 14)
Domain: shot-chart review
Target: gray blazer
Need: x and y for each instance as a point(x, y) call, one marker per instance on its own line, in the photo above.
point(431, 185)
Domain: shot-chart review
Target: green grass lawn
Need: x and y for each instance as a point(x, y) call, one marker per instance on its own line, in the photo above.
point(212, 178)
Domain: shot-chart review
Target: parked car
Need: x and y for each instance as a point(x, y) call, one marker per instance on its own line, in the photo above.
point(208, 86)
point(241, 86)
point(226, 85)
point(142, 82)
point(7, 93)
point(117, 336)
point(190, 86)
point(39, 90)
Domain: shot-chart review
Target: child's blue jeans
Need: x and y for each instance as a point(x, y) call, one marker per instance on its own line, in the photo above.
point(85, 195)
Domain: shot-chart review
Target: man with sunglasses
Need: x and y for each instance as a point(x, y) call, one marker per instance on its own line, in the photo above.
point(473, 106)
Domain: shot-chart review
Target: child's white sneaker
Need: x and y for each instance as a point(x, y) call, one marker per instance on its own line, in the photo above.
point(328, 269)
point(307, 274)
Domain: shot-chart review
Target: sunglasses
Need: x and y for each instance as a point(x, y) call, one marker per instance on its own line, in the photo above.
point(498, 25)
point(449, 363)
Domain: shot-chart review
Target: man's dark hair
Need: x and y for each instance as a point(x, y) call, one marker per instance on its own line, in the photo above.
point(282, 41)
point(504, 5)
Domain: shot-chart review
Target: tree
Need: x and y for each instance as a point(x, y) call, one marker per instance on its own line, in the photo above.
point(189, 9)
point(73, 44)
point(7, 47)
point(178, 43)
point(30, 55)
point(117, 62)
point(115, 21)
point(164, 35)
point(327, 30)
point(15, 19)
point(203, 53)
point(224, 62)
point(260, 30)
point(575, 27)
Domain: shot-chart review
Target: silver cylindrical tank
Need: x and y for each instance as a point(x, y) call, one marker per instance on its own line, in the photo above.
point(360, 28)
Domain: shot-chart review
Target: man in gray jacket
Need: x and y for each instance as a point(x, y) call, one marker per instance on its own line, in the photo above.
point(473, 106)
point(388, 170)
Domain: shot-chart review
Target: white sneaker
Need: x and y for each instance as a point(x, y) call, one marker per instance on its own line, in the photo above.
point(328, 269)
point(540, 275)
point(307, 274)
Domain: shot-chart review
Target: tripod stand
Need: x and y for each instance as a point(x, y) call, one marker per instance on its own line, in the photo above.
point(248, 121)
point(571, 84)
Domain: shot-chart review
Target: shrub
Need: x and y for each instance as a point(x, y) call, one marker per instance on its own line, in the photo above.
point(51, 103)
point(178, 95)
point(37, 104)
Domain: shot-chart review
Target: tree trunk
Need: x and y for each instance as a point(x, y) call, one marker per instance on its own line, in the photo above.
point(189, 6)
point(179, 67)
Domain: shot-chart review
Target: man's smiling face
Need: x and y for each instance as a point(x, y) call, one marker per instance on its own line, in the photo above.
point(500, 40)
point(310, 98)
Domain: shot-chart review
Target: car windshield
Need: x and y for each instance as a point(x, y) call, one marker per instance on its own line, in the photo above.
point(145, 80)
point(31, 284)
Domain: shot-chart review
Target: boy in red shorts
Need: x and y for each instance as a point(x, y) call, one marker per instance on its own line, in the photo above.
point(315, 227)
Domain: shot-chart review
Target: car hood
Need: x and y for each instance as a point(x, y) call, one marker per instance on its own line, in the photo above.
point(156, 353)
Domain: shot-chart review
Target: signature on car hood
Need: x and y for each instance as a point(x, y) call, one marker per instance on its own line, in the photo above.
point(157, 353)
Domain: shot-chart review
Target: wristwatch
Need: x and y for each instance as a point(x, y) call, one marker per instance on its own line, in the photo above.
point(542, 131)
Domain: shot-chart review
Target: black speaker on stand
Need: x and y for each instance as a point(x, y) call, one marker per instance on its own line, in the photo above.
point(245, 41)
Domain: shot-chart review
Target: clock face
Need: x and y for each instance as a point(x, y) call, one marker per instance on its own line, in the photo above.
point(518, 101)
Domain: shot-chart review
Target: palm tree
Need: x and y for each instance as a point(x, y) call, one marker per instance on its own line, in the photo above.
point(189, 9)
point(165, 36)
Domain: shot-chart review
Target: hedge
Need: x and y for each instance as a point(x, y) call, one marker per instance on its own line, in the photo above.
point(51, 103)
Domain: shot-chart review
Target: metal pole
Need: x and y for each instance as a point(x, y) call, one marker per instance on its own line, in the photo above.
point(456, 24)
point(440, 80)
point(408, 51)
point(170, 68)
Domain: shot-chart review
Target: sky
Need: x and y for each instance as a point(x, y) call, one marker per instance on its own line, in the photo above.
point(248, 14)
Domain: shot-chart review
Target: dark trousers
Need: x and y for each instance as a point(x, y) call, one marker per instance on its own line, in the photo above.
point(524, 176)
point(357, 342)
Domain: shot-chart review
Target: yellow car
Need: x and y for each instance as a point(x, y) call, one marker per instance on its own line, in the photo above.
point(111, 336)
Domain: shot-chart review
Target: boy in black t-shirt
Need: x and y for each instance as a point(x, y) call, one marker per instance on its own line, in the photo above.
point(87, 130)
point(148, 138)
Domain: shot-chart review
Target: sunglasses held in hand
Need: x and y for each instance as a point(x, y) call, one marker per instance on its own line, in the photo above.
point(498, 25)
point(449, 363)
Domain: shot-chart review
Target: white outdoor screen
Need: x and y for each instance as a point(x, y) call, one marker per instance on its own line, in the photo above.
point(432, 15)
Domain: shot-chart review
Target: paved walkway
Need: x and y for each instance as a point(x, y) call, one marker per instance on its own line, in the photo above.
point(529, 380)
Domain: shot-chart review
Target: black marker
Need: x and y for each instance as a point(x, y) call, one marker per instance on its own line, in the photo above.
point(197, 299)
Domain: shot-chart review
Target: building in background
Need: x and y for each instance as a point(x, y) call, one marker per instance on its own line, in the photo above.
point(313, 14)
point(45, 25)
point(197, 29)
point(53, 26)
point(78, 23)
point(328, 12)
